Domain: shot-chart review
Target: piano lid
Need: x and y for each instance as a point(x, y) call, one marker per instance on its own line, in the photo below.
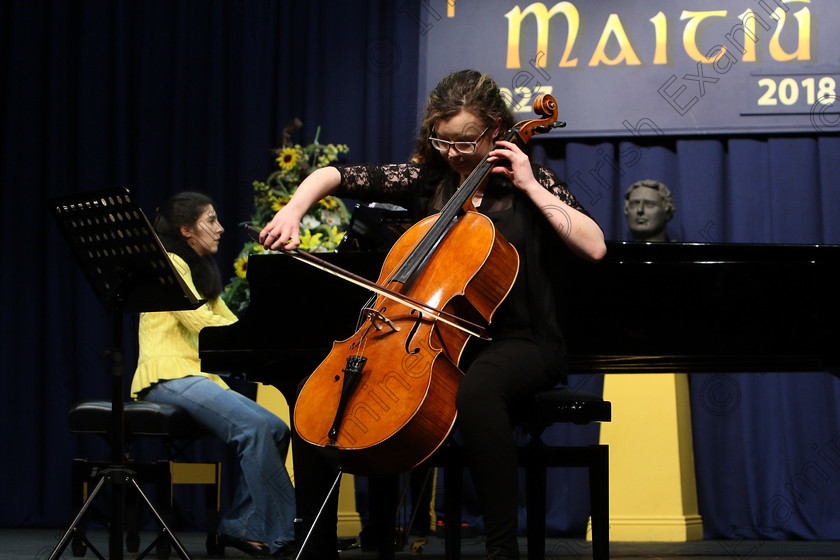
point(646, 308)
point(703, 307)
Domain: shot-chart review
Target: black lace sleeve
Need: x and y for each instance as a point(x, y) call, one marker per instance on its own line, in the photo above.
point(549, 179)
point(393, 183)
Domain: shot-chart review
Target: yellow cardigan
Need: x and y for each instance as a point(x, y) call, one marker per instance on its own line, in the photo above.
point(168, 340)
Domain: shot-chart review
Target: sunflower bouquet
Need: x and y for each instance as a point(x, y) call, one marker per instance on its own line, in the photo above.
point(322, 227)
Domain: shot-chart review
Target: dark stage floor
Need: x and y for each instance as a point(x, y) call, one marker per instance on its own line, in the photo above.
point(37, 544)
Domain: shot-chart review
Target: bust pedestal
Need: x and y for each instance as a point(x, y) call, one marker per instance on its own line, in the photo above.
point(653, 496)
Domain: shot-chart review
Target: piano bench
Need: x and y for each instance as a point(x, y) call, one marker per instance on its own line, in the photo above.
point(548, 407)
point(156, 420)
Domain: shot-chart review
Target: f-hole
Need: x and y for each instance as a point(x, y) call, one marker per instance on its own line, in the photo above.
point(412, 332)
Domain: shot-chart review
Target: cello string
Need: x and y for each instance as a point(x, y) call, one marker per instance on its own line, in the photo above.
point(360, 321)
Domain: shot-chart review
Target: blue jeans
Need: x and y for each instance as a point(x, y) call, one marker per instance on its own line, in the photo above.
point(263, 507)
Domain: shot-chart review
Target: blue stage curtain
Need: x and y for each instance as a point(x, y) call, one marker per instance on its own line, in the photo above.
point(193, 94)
point(159, 97)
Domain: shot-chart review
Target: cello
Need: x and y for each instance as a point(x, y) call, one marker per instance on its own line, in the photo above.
point(383, 400)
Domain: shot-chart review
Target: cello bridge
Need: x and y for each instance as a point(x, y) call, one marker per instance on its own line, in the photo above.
point(378, 320)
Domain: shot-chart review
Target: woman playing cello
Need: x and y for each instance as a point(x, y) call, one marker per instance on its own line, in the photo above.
point(535, 212)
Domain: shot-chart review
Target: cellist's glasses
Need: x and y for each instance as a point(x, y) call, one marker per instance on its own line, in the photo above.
point(461, 147)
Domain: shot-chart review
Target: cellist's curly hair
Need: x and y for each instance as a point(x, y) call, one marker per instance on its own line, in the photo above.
point(464, 90)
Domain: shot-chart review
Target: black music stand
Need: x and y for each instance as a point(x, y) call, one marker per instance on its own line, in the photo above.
point(129, 270)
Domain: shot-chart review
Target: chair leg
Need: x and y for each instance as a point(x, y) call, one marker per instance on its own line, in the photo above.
point(80, 474)
point(213, 497)
point(163, 492)
point(535, 492)
point(599, 496)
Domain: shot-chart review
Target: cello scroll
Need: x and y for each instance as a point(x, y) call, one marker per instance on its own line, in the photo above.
point(546, 106)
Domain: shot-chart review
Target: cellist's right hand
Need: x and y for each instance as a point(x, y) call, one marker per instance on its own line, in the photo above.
point(283, 231)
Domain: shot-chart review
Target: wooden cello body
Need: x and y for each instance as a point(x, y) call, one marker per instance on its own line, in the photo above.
point(402, 404)
point(383, 400)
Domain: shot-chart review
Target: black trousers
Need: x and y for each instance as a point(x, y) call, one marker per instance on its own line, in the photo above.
point(499, 377)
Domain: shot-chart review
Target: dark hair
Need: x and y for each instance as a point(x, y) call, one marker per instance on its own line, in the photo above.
point(464, 90)
point(185, 209)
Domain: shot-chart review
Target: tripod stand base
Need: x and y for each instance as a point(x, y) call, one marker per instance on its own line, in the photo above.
point(117, 477)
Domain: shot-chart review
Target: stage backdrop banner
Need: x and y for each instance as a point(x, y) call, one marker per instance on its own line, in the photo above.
point(644, 67)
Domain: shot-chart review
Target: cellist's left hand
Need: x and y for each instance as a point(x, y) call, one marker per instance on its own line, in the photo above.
point(519, 172)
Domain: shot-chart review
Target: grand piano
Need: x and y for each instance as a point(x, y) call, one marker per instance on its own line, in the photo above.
point(645, 308)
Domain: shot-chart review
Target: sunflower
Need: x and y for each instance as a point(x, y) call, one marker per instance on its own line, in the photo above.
point(329, 203)
point(240, 266)
point(288, 158)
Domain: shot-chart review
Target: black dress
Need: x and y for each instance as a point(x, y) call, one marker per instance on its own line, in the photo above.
point(526, 353)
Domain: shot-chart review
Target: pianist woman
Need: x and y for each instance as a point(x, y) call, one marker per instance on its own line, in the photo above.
point(260, 520)
point(465, 116)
